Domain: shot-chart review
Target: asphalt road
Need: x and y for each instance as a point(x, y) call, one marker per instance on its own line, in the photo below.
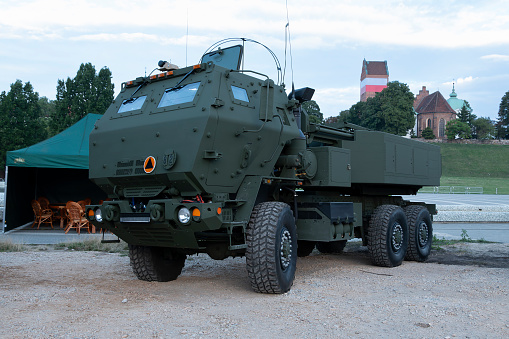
point(497, 232)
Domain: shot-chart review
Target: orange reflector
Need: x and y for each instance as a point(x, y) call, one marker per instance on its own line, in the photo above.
point(169, 73)
point(153, 77)
point(161, 75)
point(130, 83)
point(196, 212)
point(196, 66)
point(91, 213)
point(219, 211)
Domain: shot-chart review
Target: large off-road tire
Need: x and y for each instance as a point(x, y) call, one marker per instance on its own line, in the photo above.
point(271, 254)
point(305, 248)
point(333, 247)
point(152, 263)
point(420, 230)
point(388, 236)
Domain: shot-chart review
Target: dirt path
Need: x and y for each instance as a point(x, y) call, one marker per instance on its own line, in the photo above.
point(68, 294)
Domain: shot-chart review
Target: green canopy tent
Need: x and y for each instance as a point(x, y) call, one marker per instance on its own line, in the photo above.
point(56, 168)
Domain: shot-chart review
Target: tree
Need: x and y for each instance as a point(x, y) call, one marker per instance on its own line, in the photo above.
point(48, 107)
point(456, 128)
point(503, 111)
point(389, 111)
point(427, 133)
point(313, 111)
point(87, 93)
point(20, 120)
point(483, 128)
point(465, 115)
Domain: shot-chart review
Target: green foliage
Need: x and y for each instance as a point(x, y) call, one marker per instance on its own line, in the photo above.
point(483, 128)
point(465, 236)
point(313, 111)
point(501, 131)
point(456, 128)
point(389, 111)
point(438, 242)
point(503, 110)
point(20, 119)
point(87, 93)
point(48, 107)
point(427, 133)
point(465, 115)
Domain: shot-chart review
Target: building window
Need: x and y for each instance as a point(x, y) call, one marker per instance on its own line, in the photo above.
point(441, 128)
point(428, 123)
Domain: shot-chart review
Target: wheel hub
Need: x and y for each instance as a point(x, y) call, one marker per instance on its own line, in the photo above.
point(397, 236)
point(423, 234)
point(285, 249)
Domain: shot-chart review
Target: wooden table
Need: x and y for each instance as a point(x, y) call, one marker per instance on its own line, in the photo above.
point(61, 212)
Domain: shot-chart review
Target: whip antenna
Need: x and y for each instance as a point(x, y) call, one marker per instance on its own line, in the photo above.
point(288, 43)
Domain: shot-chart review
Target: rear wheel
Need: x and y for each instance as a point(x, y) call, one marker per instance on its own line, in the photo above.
point(388, 236)
point(271, 254)
point(420, 229)
point(152, 263)
point(335, 247)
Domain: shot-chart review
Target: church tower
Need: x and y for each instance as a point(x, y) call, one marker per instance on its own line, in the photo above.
point(374, 78)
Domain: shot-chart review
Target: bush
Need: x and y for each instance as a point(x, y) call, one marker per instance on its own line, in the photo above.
point(427, 133)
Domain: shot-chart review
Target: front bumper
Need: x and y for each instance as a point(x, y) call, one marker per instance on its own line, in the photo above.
point(158, 224)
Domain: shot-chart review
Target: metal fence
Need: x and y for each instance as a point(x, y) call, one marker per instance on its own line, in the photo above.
point(452, 190)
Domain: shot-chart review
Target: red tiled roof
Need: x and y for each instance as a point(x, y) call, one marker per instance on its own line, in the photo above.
point(434, 103)
point(375, 67)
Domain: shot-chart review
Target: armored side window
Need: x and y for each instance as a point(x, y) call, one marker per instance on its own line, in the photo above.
point(132, 104)
point(240, 93)
point(179, 95)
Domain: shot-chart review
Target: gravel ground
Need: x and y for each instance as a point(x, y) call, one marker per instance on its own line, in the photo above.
point(69, 294)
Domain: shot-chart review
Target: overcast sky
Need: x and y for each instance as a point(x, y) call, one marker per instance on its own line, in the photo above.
point(426, 42)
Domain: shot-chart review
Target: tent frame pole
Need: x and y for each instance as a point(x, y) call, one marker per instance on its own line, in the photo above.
point(5, 198)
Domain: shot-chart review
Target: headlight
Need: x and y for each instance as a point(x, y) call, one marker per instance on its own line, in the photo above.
point(184, 215)
point(98, 215)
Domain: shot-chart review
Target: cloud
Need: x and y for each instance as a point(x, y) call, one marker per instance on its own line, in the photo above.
point(462, 81)
point(496, 57)
point(116, 37)
point(426, 24)
point(334, 100)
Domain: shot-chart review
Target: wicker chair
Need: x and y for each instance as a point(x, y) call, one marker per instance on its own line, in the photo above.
point(42, 216)
point(76, 217)
point(44, 202)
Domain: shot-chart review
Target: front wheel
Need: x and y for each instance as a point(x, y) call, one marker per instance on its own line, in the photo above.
point(388, 236)
point(152, 263)
point(271, 254)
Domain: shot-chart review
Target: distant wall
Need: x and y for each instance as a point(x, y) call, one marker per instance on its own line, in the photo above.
point(466, 141)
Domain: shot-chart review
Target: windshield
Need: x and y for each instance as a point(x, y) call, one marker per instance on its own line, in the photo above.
point(132, 104)
point(179, 95)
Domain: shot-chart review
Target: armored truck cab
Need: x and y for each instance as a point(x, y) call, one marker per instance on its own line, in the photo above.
point(218, 160)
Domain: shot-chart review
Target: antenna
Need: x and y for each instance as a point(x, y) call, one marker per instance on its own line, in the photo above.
point(289, 43)
point(187, 30)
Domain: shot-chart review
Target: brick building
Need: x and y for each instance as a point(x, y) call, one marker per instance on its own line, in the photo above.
point(432, 111)
point(374, 78)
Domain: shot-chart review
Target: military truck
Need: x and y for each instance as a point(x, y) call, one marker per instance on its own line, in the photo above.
point(216, 159)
